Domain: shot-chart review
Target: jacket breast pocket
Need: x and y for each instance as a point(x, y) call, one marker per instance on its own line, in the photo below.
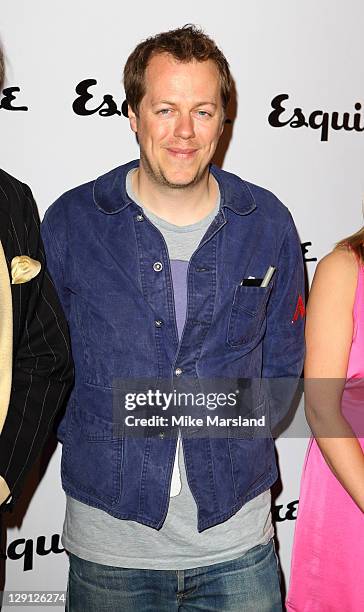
point(247, 314)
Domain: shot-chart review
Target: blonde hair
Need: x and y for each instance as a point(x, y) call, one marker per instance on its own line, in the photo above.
point(355, 243)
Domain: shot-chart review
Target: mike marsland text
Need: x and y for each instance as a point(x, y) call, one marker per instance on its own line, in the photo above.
point(189, 421)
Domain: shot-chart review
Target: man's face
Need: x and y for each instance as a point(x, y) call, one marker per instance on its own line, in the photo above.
point(180, 120)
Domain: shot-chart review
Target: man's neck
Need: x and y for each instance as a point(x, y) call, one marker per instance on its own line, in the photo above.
point(178, 206)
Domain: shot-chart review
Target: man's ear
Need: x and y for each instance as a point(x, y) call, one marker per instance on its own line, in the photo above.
point(133, 119)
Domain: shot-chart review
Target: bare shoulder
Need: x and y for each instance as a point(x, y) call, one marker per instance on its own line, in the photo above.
point(340, 259)
point(334, 284)
point(338, 268)
point(329, 325)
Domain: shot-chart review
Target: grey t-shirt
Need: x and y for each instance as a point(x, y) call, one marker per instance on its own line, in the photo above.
point(94, 535)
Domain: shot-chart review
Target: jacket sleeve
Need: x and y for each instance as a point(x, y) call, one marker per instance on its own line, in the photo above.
point(42, 362)
point(52, 236)
point(284, 347)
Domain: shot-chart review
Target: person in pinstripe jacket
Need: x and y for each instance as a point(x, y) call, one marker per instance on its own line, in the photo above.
point(36, 368)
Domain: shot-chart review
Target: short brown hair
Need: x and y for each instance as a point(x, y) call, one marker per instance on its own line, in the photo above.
point(184, 44)
point(2, 69)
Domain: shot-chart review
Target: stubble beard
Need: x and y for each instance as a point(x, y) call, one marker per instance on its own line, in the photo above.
point(159, 177)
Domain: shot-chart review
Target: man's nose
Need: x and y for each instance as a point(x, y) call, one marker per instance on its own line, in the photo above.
point(184, 127)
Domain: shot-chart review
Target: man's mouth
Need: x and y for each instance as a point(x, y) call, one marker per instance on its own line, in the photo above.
point(182, 153)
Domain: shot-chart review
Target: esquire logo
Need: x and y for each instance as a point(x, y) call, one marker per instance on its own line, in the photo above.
point(107, 108)
point(8, 99)
point(26, 549)
point(305, 248)
point(285, 114)
point(281, 513)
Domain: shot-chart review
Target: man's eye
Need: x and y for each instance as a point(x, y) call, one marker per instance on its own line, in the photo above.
point(164, 111)
point(203, 113)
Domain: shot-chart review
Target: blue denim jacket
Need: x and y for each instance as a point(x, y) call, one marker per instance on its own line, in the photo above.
point(112, 272)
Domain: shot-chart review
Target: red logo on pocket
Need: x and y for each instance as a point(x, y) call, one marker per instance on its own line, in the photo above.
point(300, 309)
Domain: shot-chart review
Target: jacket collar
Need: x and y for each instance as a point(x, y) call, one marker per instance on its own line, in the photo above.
point(234, 192)
point(109, 190)
point(110, 195)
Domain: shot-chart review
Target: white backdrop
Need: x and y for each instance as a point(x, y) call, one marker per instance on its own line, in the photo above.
point(311, 51)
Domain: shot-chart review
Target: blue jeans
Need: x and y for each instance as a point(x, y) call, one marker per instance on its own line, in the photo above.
point(247, 584)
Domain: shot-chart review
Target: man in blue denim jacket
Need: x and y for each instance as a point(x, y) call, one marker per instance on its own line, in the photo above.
point(160, 267)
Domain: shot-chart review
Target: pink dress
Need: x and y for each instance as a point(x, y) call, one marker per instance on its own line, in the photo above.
point(327, 568)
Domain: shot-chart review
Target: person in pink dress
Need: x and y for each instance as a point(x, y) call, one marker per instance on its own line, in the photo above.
point(327, 568)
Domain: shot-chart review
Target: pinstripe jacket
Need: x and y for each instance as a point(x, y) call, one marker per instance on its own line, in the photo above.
point(36, 368)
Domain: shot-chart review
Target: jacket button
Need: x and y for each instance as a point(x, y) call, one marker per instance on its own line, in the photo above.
point(157, 266)
point(158, 323)
point(139, 218)
point(161, 435)
point(178, 371)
